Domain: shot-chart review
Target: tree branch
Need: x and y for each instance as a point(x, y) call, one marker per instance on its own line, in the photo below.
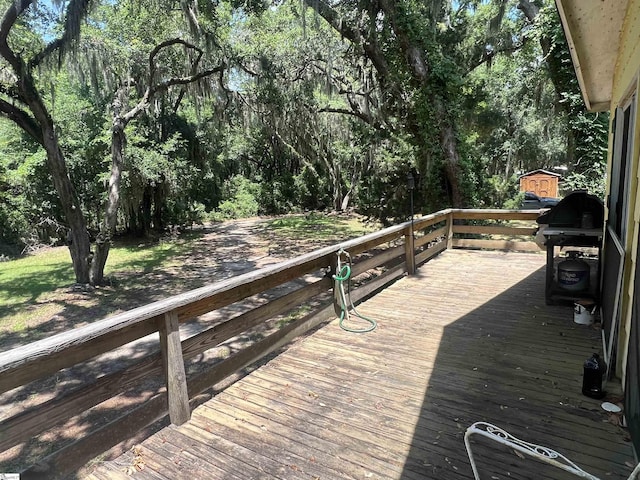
point(16, 8)
point(486, 58)
point(246, 69)
point(22, 119)
point(414, 56)
point(355, 36)
point(186, 80)
point(529, 9)
point(153, 88)
point(76, 12)
point(224, 88)
point(168, 43)
point(345, 111)
point(178, 101)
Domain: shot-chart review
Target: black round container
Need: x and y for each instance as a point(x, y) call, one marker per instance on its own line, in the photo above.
point(594, 371)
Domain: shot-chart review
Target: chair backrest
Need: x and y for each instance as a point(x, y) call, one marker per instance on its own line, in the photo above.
point(539, 452)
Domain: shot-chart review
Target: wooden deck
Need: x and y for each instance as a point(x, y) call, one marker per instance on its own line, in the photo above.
point(467, 338)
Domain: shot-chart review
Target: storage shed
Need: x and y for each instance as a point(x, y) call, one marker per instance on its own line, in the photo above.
point(541, 182)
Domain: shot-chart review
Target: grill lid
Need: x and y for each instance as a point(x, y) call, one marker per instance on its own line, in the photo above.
point(570, 210)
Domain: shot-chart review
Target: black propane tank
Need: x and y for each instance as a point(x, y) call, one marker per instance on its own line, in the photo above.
point(594, 371)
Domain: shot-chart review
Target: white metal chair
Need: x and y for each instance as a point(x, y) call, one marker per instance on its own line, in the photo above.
point(539, 452)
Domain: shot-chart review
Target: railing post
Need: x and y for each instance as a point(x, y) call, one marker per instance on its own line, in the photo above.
point(176, 379)
point(450, 230)
point(409, 250)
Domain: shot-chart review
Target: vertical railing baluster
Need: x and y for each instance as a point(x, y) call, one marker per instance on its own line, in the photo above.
point(175, 376)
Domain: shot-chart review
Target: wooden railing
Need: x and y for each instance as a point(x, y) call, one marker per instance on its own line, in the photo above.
point(394, 251)
point(502, 236)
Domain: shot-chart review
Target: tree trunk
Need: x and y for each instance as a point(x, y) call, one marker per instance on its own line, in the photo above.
point(336, 184)
point(571, 147)
point(158, 205)
point(145, 210)
point(41, 128)
point(78, 238)
point(108, 226)
point(336, 178)
point(345, 201)
point(132, 221)
point(451, 164)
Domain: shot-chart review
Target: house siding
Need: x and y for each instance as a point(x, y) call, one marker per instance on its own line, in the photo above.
point(629, 55)
point(626, 83)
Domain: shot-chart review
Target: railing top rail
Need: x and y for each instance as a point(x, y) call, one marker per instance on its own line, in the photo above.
point(495, 214)
point(491, 211)
point(441, 214)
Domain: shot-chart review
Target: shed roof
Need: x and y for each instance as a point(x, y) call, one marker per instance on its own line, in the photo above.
point(593, 29)
point(532, 172)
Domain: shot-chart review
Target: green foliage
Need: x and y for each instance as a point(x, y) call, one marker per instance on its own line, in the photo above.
point(277, 196)
point(13, 224)
point(311, 189)
point(593, 180)
point(29, 208)
point(501, 192)
point(301, 119)
point(523, 106)
point(242, 200)
point(14, 229)
point(587, 132)
point(385, 196)
point(514, 203)
point(513, 116)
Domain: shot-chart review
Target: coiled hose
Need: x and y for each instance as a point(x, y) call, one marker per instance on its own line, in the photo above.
point(343, 274)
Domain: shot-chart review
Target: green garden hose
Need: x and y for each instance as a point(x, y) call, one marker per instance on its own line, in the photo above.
point(343, 274)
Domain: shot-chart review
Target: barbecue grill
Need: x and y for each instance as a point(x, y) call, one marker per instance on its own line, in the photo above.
point(576, 221)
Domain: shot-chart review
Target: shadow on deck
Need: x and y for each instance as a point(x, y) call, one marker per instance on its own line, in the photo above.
point(468, 338)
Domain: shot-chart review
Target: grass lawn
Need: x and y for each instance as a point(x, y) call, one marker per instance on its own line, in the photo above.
point(297, 234)
point(35, 286)
point(37, 298)
point(317, 227)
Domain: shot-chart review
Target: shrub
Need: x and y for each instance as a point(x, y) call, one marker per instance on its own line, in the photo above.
point(240, 200)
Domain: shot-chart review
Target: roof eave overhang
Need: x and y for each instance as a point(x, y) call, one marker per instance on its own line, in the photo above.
point(593, 30)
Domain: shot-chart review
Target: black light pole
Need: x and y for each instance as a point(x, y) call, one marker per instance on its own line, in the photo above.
point(411, 184)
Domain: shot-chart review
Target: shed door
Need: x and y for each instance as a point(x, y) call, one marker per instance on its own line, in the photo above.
point(543, 188)
point(530, 185)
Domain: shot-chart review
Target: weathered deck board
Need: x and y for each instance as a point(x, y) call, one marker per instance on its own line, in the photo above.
point(468, 338)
